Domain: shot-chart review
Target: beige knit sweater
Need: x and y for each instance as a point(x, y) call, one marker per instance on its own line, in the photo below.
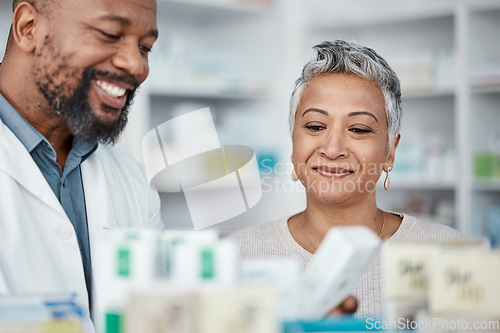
point(274, 241)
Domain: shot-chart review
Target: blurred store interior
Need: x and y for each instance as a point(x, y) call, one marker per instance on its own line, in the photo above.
point(241, 58)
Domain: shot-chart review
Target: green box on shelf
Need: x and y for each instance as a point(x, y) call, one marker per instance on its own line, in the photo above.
point(484, 165)
point(496, 166)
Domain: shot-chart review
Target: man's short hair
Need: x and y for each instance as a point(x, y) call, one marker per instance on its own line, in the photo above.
point(41, 5)
point(14, 4)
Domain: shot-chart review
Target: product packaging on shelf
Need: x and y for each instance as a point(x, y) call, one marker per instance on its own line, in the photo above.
point(406, 272)
point(410, 273)
point(201, 309)
point(49, 313)
point(282, 276)
point(126, 258)
point(464, 282)
point(137, 259)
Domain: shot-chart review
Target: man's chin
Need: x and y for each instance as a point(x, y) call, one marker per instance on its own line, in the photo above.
point(106, 116)
point(100, 123)
point(104, 130)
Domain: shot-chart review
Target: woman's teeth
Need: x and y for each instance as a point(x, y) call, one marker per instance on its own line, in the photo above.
point(111, 89)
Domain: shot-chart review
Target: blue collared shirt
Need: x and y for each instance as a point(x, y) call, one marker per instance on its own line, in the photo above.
point(66, 184)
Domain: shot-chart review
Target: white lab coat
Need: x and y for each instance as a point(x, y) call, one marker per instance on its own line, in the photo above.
point(39, 251)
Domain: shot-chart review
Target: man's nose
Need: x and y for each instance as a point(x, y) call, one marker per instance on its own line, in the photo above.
point(130, 59)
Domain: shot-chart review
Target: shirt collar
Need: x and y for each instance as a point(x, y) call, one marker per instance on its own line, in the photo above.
point(30, 137)
point(21, 128)
point(83, 149)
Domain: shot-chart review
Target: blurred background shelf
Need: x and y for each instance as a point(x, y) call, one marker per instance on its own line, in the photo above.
point(418, 185)
point(449, 93)
point(486, 90)
point(446, 56)
point(241, 58)
point(222, 10)
point(366, 12)
point(487, 185)
point(207, 93)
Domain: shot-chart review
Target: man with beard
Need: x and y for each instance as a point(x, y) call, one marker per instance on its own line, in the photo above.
point(67, 80)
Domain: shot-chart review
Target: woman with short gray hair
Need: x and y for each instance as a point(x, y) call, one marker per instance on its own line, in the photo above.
point(345, 117)
point(351, 58)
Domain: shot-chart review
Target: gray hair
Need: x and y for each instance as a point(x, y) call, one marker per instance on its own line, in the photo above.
point(351, 58)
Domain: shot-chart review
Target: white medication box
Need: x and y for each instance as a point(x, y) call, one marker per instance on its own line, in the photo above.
point(283, 276)
point(339, 262)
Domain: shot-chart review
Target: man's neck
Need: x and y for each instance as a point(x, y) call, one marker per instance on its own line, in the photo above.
point(30, 105)
point(55, 130)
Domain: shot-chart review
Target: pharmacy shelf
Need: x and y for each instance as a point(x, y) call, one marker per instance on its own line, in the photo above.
point(486, 185)
point(406, 95)
point(465, 116)
point(205, 93)
point(203, 11)
point(279, 34)
point(366, 12)
point(418, 185)
point(220, 54)
point(480, 105)
point(486, 91)
point(482, 5)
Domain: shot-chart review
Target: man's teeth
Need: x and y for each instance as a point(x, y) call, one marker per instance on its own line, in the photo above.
point(111, 89)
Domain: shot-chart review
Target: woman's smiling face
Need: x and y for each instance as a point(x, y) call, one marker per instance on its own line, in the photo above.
point(340, 138)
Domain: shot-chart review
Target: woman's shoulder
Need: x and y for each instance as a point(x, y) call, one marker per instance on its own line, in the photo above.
point(414, 228)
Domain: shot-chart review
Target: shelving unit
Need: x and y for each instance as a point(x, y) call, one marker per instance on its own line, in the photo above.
point(439, 49)
point(222, 55)
point(446, 113)
point(241, 59)
point(206, 93)
point(483, 65)
point(220, 10)
point(412, 37)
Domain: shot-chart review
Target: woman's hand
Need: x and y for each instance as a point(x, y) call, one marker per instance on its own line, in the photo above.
point(348, 306)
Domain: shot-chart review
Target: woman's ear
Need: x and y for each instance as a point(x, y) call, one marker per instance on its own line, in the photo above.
point(24, 26)
point(392, 152)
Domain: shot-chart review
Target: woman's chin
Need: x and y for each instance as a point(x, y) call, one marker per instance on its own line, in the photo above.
point(330, 198)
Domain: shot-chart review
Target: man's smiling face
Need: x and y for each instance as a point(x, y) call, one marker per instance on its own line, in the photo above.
point(91, 61)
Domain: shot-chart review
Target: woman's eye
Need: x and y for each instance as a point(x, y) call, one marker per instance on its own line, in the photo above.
point(359, 130)
point(315, 127)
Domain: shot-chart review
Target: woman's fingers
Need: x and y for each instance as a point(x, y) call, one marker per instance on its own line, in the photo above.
point(348, 306)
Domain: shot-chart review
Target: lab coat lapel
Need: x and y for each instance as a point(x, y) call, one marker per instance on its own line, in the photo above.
point(101, 215)
point(16, 162)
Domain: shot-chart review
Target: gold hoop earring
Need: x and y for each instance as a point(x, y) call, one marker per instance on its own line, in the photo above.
point(387, 181)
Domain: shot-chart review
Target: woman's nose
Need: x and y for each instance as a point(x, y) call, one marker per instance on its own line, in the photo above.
point(334, 145)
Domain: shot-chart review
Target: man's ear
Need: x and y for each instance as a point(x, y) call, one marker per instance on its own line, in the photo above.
point(24, 26)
